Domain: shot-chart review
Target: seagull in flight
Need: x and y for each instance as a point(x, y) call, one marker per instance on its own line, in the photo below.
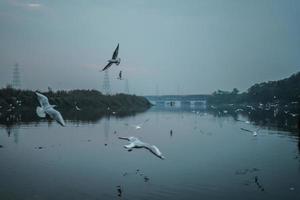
point(46, 108)
point(138, 126)
point(254, 132)
point(247, 122)
point(76, 107)
point(113, 60)
point(136, 143)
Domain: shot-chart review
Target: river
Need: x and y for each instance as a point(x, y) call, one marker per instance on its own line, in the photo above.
point(206, 157)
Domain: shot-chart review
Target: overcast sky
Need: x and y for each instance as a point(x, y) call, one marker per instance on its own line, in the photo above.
point(183, 46)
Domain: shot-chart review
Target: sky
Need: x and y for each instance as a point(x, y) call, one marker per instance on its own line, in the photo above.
point(166, 46)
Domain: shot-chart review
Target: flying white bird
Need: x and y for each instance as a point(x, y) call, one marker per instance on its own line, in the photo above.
point(49, 109)
point(254, 132)
point(293, 114)
point(77, 108)
point(247, 122)
point(113, 60)
point(138, 126)
point(136, 143)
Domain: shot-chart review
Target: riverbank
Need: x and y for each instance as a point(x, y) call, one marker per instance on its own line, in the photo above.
point(73, 104)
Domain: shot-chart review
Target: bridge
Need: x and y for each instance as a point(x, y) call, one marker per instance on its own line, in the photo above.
point(178, 100)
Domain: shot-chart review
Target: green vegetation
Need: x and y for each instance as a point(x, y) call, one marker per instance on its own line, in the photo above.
point(285, 90)
point(92, 103)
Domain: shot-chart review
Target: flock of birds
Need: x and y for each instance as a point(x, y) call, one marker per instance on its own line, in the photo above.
point(46, 108)
point(272, 108)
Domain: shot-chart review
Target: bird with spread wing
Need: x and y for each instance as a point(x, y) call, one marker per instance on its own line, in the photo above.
point(46, 108)
point(113, 60)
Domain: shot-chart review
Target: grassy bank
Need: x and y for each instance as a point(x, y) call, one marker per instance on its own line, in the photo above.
point(92, 103)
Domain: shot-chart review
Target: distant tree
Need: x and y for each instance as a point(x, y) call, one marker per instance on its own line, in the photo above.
point(235, 91)
point(9, 86)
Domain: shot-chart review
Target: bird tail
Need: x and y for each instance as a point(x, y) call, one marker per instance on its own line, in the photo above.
point(40, 112)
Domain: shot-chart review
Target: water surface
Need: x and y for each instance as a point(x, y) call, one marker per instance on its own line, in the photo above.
point(207, 157)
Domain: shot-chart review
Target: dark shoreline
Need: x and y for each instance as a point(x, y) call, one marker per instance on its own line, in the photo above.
point(20, 105)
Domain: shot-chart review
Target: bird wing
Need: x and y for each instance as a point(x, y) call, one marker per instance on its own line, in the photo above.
point(107, 66)
point(54, 114)
point(40, 112)
point(154, 150)
point(130, 139)
point(246, 130)
point(124, 138)
point(43, 100)
point(133, 139)
point(115, 55)
point(129, 146)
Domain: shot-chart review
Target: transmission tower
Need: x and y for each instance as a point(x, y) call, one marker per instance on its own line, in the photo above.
point(16, 82)
point(106, 84)
point(126, 87)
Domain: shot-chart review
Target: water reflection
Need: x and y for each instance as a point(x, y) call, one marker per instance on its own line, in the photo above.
point(207, 156)
point(12, 129)
point(74, 116)
point(282, 121)
point(11, 121)
point(106, 128)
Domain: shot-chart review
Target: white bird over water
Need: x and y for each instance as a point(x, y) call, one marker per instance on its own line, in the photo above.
point(49, 109)
point(136, 143)
point(138, 126)
point(113, 60)
point(247, 122)
point(254, 132)
point(77, 108)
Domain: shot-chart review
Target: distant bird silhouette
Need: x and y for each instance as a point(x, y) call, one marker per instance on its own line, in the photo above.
point(258, 184)
point(136, 143)
point(113, 60)
point(49, 109)
point(119, 190)
point(138, 126)
point(254, 132)
point(120, 76)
